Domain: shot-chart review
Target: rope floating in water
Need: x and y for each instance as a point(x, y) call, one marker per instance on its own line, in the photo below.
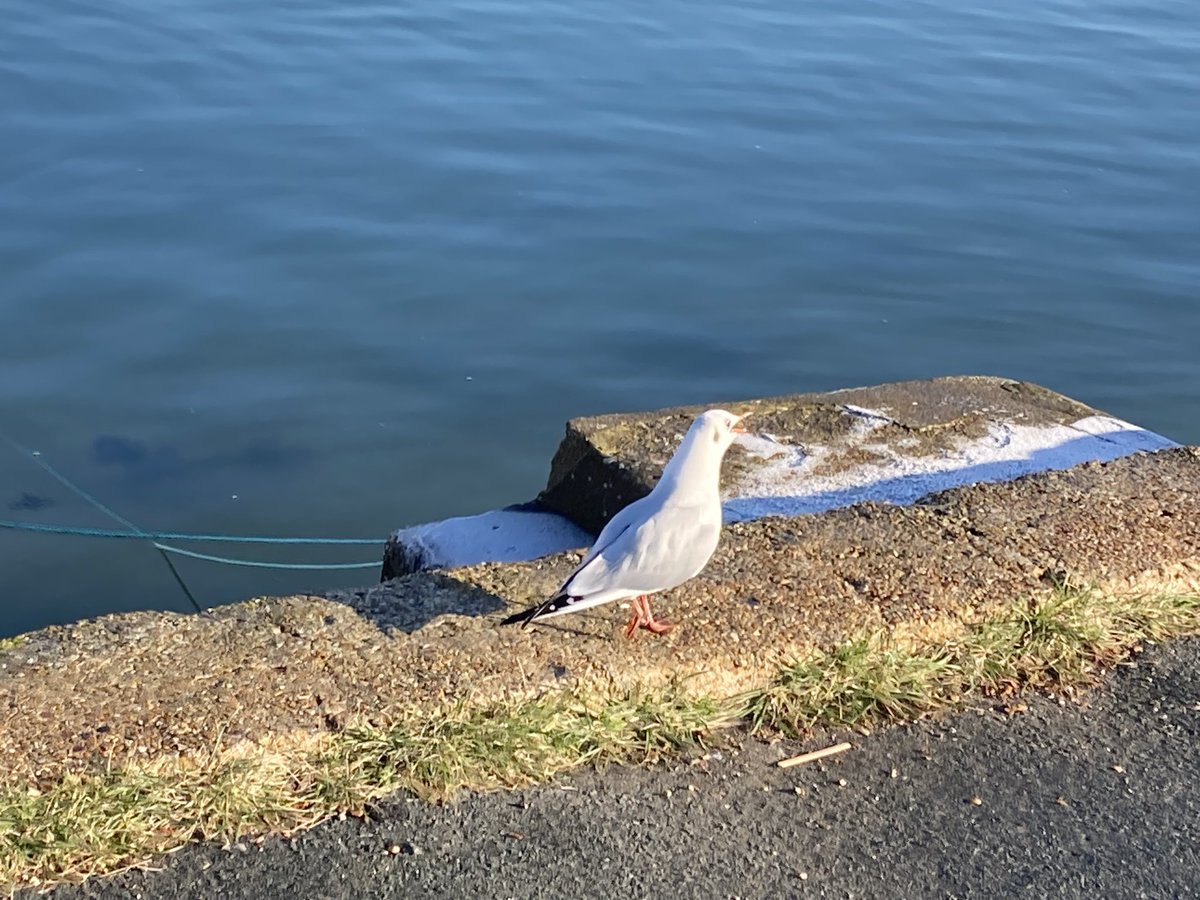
point(258, 564)
point(82, 531)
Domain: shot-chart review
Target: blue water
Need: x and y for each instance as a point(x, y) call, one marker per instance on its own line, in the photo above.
point(334, 268)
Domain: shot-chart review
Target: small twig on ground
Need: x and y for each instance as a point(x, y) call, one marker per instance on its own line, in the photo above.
point(814, 755)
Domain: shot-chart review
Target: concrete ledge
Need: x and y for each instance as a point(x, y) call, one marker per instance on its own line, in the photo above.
point(131, 689)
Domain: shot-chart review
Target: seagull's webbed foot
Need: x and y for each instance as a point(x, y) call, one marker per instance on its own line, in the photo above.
point(642, 617)
point(651, 624)
point(658, 626)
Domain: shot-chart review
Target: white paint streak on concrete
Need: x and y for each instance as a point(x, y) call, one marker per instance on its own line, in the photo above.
point(501, 535)
point(789, 482)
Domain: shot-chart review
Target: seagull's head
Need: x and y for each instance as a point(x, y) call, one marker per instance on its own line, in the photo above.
point(696, 465)
point(720, 427)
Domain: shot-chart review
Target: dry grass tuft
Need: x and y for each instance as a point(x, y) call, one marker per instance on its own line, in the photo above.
point(1061, 642)
point(9, 642)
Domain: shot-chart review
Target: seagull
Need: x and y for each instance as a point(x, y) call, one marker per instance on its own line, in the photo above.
point(658, 542)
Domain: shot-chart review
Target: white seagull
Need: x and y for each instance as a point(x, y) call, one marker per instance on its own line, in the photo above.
point(657, 542)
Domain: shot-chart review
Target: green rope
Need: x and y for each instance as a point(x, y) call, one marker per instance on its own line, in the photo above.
point(81, 531)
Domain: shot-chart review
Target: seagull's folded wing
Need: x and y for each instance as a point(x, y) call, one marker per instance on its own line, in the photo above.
point(655, 554)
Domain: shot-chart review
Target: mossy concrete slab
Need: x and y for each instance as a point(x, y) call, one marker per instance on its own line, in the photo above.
point(806, 453)
point(811, 452)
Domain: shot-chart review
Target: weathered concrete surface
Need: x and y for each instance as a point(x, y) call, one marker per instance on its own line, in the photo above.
point(131, 688)
point(853, 438)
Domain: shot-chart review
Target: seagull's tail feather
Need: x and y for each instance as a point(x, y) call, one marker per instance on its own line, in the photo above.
point(545, 608)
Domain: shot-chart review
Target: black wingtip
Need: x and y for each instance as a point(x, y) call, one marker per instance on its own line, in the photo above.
point(524, 616)
point(527, 616)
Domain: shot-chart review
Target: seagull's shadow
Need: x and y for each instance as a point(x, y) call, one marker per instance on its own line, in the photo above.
point(560, 625)
point(411, 601)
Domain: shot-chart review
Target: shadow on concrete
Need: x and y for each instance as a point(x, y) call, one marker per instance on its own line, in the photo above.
point(411, 601)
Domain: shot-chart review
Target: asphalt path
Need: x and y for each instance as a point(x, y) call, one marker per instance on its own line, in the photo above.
point(1097, 800)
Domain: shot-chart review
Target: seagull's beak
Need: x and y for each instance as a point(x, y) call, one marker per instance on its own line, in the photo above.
point(738, 426)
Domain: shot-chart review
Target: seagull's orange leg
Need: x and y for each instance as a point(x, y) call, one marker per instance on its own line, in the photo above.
point(636, 619)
